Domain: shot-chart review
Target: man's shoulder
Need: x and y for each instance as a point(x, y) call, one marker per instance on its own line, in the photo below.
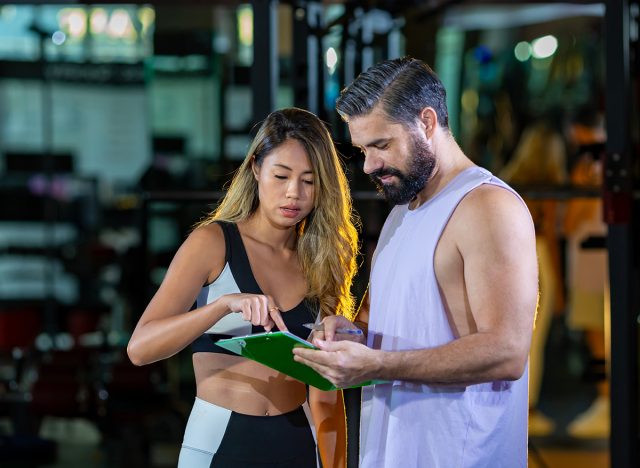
point(492, 209)
point(491, 199)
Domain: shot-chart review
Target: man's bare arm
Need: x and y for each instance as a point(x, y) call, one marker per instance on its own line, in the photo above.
point(497, 244)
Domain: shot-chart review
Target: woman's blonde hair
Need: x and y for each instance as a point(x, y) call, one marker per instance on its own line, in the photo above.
point(327, 240)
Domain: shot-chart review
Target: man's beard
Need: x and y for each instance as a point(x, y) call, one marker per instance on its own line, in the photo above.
point(418, 173)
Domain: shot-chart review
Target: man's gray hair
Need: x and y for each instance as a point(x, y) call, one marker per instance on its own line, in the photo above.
point(403, 87)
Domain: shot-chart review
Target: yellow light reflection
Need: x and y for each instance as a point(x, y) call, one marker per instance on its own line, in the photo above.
point(470, 101)
point(120, 25)
point(245, 25)
point(147, 17)
point(98, 20)
point(73, 21)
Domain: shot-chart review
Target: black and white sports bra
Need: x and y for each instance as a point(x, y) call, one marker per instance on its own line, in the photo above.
point(236, 277)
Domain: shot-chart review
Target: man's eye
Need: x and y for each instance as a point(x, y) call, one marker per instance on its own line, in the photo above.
point(308, 182)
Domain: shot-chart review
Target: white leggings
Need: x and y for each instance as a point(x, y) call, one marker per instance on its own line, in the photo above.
point(205, 430)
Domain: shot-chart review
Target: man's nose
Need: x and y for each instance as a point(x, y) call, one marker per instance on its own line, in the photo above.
point(371, 163)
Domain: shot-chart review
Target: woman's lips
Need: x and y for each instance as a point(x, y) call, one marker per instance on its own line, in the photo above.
point(289, 212)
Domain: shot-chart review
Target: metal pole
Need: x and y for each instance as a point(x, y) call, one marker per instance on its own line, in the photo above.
point(264, 72)
point(618, 201)
point(50, 315)
point(314, 44)
point(300, 68)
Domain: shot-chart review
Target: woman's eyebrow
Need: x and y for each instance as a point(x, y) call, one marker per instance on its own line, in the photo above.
point(284, 166)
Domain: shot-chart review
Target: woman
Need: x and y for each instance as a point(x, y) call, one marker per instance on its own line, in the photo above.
point(279, 250)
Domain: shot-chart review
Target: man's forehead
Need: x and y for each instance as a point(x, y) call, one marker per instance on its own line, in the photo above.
point(369, 127)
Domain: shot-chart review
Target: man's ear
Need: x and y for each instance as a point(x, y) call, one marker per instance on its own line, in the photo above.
point(429, 120)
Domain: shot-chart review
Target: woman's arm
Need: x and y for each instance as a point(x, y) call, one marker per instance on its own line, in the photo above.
point(328, 413)
point(165, 327)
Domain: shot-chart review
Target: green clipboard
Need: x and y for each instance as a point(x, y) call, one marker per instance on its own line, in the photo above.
point(274, 349)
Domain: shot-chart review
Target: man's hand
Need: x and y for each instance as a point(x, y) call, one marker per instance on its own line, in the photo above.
point(343, 363)
point(331, 330)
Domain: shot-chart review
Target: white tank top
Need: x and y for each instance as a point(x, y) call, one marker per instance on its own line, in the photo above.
point(415, 425)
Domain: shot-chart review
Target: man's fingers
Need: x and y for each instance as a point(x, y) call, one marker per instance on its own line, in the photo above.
point(316, 335)
point(305, 353)
point(314, 364)
point(329, 329)
point(331, 325)
point(326, 361)
point(327, 345)
point(312, 355)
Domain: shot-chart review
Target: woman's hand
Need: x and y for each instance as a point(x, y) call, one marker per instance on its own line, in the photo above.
point(258, 309)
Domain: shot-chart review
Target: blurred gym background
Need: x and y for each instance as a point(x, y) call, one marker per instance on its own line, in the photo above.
point(120, 124)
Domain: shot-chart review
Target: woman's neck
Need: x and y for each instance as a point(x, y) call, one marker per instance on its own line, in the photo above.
point(261, 229)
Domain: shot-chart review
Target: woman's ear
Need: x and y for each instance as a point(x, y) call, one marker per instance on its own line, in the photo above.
point(254, 167)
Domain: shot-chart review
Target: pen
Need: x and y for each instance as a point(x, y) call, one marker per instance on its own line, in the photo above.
point(320, 327)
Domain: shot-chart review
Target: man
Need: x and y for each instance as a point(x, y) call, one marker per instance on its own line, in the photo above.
point(453, 289)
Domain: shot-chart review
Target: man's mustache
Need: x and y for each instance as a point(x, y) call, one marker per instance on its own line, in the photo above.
point(387, 171)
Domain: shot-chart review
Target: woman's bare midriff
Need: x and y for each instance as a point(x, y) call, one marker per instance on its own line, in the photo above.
point(245, 386)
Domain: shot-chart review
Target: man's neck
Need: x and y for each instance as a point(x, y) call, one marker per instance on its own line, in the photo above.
point(450, 161)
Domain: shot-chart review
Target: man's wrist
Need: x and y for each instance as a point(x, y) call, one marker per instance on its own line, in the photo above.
point(378, 365)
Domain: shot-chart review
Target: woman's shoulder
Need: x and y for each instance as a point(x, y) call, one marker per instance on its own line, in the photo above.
point(208, 243)
point(208, 233)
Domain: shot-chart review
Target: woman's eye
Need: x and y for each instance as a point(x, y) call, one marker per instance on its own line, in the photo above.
point(308, 182)
point(281, 177)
